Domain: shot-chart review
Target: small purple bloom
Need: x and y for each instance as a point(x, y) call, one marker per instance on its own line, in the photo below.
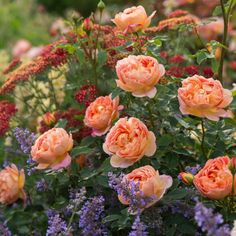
point(41, 185)
point(193, 170)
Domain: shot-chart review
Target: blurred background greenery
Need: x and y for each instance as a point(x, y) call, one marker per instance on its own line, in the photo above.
point(31, 19)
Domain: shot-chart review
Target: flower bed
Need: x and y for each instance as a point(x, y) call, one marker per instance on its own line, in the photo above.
point(123, 129)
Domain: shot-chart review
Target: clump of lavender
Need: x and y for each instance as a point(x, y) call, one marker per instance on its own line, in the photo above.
point(210, 223)
point(76, 198)
point(91, 215)
point(193, 170)
point(138, 228)
point(130, 191)
point(41, 185)
point(56, 225)
point(25, 138)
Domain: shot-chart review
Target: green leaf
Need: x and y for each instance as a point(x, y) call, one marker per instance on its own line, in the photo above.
point(217, 11)
point(61, 123)
point(116, 92)
point(102, 58)
point(111, 218)
point(165, 140)
point(177, 194)
point(80, 150)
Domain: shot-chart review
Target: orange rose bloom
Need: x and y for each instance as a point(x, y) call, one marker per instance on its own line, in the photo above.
point(101, 113)
point(12, 182)
point(132, 19)
point(215, 181)
point(150, 183)
point(203, 97)
point(139, 75)
point(51, 149)
point(128, 141)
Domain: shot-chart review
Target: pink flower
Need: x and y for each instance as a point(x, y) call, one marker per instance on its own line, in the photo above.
point(21, 47)
point(150, 183)
point(139, 75)
point(51, 149)
point(203, 97)
point(215, 180)
point(101, 113)
point(128, 141)
point(132, 19)
point(12, 182)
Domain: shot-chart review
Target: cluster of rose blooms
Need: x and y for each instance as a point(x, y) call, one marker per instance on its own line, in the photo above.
point(129, 140)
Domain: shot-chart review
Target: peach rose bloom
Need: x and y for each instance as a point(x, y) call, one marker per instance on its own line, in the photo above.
point(139, 75)
point(51, 149)
point(12, 182)
point(128, 141)
point(203, 97)
point(150, 183)
point(101, 113)
point(215, 181)
point(211, 29)
point(133, 19)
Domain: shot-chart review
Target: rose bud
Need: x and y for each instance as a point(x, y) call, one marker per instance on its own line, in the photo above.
point(186, 178)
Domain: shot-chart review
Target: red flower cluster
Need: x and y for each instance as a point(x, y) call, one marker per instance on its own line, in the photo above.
point(176, 59)
point(74, 118)
point(170, 23)
point(178, 13)
point(86, 94)
point(7, 110)
point(13, 64)
point(51, 56)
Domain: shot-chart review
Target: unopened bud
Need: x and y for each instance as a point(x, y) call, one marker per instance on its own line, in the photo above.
point(87, 24)
point(49, 118)
point(186, 178)
point(101, 5)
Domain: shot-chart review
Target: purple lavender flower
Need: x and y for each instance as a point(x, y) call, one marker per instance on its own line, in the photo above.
point(76, 198)
point(25, 138)
point(182, 208)
point(91, 215)
point(209, 222)
point(130, 191)
point(56, 225)
point(138, 228)
point(41, 185)
point(4, 231)
point(193, 170)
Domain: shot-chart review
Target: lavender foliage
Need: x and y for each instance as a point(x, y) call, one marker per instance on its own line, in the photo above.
point(130, 192)
point(91, 215)
point(210, 223)
point(138, 228)
point(56, 225)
